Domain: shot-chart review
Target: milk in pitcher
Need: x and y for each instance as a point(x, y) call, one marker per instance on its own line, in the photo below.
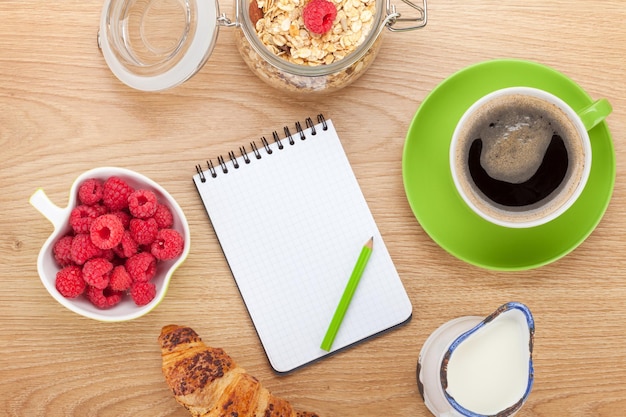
point(488, 370)
point(473, 366)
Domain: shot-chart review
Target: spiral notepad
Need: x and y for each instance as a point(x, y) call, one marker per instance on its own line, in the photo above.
point(291, 220)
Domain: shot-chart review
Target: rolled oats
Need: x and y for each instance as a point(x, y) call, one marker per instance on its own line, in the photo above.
point(281, 29)
point(318, 58)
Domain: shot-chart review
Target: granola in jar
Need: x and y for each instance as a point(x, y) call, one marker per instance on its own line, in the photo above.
point(282, 30)
point(279, 47)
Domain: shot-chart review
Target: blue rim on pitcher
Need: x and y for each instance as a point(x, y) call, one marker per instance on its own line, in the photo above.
point(460, 339)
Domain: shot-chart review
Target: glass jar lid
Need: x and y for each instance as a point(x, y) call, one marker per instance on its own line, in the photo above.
point(157, 44)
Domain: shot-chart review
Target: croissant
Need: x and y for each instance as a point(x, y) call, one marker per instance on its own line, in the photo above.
point(208, 382)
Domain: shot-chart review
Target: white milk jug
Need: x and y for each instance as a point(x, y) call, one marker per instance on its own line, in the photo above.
point(472, 366)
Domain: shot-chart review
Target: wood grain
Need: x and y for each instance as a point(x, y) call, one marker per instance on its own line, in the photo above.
point(63, 112)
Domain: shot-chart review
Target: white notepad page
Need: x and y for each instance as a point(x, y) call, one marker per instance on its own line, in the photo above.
point(292, 225)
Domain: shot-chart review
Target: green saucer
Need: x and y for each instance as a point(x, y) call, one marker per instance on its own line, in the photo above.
point(439, 208)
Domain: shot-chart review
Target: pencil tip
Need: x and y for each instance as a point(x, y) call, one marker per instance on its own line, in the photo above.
point(370, 242)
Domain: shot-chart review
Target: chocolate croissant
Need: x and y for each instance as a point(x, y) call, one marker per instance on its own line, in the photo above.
point(207, 382)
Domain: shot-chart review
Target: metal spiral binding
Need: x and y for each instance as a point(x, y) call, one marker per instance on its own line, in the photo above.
point(277, 140)
point(257, 154)
point(300, 131)
point(244, 154)
point(233, 159)
point(266, 145)
point(256, 151)
point(200, 173)
point(288, 135)
point(211, 168)
point(220, 159)
point(320, 119)
point(309, 124)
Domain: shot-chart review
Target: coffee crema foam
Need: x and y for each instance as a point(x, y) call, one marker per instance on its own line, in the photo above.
point(516, 131)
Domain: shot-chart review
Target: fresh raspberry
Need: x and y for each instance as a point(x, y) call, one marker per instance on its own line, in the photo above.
point(115, 193)
point(81, 218)
point(83, 249)
point(142, 203)
point(101, 209)
point(141, 267)
point(62, 251)
point(127, 247)
point(163, 216)
point(108, 254)
point(143, 231)
point(123, 216)
point(167, 245)
point(70, 282)
point(104, 298)
point(120, 279)
point(96, 272)
point(106, 231)
point(90, 191)
point(143, 292)
point(319, 15)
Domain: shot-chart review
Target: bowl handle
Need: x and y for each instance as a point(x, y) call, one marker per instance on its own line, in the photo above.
point(51, 211)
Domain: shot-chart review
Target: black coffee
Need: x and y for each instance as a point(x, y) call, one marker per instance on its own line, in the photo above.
point(540, 185)
point(519, 154)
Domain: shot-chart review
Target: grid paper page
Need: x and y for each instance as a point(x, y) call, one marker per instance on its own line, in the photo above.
point(292, 225)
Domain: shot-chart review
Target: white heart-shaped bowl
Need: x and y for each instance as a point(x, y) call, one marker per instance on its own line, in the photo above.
point(59, 217)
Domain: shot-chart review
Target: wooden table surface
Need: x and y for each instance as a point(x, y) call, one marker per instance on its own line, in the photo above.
point(63, 112)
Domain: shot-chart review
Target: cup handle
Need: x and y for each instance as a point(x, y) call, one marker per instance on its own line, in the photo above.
point(595, 113)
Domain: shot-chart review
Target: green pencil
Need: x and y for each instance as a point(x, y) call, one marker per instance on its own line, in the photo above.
point(346, 298)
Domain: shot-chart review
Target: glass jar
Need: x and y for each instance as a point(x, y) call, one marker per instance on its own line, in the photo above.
point(153, 45)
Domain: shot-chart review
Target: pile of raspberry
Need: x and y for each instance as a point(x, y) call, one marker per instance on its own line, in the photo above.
point(118, 236)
